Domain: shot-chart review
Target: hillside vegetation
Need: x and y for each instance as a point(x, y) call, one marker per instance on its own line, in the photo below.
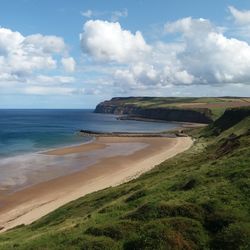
point(196, 200)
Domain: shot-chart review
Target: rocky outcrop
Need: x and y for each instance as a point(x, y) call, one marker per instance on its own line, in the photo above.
point(116, 106)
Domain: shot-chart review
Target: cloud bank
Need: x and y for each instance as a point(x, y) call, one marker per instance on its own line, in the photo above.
point(29, 59)
point(200, 54)
point(191, 52)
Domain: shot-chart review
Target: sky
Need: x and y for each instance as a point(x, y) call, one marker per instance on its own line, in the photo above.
point(74, 54)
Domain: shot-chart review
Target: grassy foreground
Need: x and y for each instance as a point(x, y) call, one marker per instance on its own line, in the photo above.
point(196, 200)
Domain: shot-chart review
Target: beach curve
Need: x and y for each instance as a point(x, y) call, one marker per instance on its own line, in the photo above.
point(28, 205)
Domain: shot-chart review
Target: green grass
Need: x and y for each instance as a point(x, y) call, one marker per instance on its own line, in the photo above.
point(196, 200)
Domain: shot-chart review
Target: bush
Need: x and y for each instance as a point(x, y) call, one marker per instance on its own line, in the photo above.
point(235, 236)
point(191, 230)
point(110, 231)
point(135, 196)
point(217, 220)
point(99, 244)
point(160, 210)
point(185, 185)
point(156, 236)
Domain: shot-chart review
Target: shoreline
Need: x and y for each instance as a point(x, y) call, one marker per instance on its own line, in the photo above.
point(30, 204)
point(91, 140)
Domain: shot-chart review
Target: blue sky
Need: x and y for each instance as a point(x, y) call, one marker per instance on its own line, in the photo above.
point(73, 54)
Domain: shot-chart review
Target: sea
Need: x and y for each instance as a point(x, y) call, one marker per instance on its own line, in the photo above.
point(25, 134)
point(33, 130)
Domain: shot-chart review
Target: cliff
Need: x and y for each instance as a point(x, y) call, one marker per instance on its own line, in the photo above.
point(179, 114)
point(181, 109)
point(227, 120)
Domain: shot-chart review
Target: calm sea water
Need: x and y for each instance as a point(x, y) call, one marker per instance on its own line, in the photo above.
point(23, 131)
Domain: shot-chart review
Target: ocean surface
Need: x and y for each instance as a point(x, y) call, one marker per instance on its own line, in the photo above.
point(24, 131)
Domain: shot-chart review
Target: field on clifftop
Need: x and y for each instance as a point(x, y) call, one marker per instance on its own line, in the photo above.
point(196, 200)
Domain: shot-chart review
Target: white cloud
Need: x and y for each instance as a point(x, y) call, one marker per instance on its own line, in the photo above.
point(148, 76)
point(51, 80)
point(241, 27)
point(144, 66)
point(25, 59)
point(113, 15)
point(209, 55)
point(45, 44)
point(45, 90)
point(69, 64)
point(107, 41)
point(240, 17)
point(201, 55)
point(189, 26)
point(19, 56)
point(87, 13)
point(116, 15)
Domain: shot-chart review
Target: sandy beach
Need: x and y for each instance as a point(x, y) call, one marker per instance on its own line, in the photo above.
point(30, 204)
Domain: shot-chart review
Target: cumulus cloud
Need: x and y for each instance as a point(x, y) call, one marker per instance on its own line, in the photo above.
point(240, 17)
point(51, 80)
point(241, 27)
point(209, 55)
point(148, 76)
point(107, 41)
point(69, 64)
point(45, 44)
point(46, 90)
point(24, 59)
point(189, 26)
point(20, 56)
point(201, 54)
point(114, 15)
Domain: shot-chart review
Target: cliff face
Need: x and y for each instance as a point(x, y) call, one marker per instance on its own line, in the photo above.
point(229, 119)
point(168, 114)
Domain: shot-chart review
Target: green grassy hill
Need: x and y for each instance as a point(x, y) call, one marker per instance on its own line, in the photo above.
point(196, 200)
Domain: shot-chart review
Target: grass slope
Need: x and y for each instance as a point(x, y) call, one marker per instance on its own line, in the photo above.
point(196, 200)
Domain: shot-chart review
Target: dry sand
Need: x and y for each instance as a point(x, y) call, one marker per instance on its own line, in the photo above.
point(30, 204)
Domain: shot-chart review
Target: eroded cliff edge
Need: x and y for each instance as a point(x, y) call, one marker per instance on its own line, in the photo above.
point(130, 108)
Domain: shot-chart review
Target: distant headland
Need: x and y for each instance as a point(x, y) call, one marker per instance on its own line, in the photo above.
point(180, 109)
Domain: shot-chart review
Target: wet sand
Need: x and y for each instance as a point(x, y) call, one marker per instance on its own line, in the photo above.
point(76, 149)
point(30, 204)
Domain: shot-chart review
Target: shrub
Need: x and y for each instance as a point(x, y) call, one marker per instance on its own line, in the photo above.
point(110, 231)
point(217, 220)
point(135, 196)
point(98, 244)
point(235, 236)
point(156, 236)
point(161, 210)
